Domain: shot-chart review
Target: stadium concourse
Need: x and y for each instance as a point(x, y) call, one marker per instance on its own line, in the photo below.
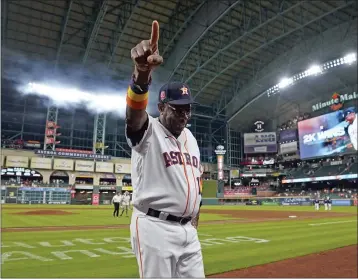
point(276, 124)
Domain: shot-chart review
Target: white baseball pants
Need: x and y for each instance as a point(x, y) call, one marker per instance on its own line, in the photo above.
point(329, 206)
point(165, 249)
point(316, 206)
point(326, 206)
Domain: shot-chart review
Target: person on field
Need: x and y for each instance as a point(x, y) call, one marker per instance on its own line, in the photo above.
point(116, 201)
point(125, 203)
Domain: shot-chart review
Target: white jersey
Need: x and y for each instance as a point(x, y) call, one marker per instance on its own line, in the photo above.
point(352, 132)
point(166, 172)
point(126, 199)
point(117, 199)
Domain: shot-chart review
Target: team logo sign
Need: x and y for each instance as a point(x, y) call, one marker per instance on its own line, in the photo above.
point(337, 102)
point(259, 126)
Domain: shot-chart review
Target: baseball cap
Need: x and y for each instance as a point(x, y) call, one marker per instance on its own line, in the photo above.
point(348, 111)
point(175, 93)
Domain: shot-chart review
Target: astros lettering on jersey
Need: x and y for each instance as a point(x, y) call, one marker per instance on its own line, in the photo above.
point(160, 180)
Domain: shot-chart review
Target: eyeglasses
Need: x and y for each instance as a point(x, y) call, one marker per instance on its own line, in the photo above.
point(181, 110)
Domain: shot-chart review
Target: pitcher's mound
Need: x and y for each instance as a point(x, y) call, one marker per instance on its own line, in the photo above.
point(44, 212)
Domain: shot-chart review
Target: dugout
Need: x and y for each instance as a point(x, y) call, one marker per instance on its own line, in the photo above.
point(59, 178)
point(107, 179)
point(82, 194)
point(106, 193)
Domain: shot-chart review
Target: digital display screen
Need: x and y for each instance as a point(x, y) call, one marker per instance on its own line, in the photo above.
point(328, 134)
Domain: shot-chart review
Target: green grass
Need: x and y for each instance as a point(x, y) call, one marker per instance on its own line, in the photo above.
point(80, 217)
point(285, 239)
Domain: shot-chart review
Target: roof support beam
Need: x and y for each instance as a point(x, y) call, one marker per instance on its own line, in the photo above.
point(245, 34)
point(124, 19)
point(237, 40)
point(95, 28)
point(207, 17)
point(63, 32)
point(4, 8)
point(188, 17)
point(285, 33)
point(317, 46)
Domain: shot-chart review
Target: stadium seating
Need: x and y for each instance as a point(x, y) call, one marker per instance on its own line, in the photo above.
point(351, 169)
point(327, 171)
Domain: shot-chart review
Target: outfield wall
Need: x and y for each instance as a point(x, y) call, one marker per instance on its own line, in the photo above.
point(98, 195)
point(275, 201)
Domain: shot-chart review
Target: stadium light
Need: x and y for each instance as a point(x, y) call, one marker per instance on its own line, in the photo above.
point(285, 82)
point(350, 58)
point(100, 102)
point(313, 70)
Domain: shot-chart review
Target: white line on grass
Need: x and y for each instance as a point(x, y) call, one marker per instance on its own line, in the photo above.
point(328, 223)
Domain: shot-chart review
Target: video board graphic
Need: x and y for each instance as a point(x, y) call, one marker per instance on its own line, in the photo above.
point(328, 134)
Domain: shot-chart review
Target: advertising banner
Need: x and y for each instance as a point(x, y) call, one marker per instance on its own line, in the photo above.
point(72, 154)
point(63, 164)
point(288, 135)
point(19, 172)
point(328, 134)
point(341, 202)
point(320, 178)
point(127, 188)
point(74, 150)
point(32, 144)
point(17, 161)
point(271, 203)
point(295, 201)
point(84, 165)
point(41, 163)
point(95, 199)
point(289, 147)
point(260, 142)
point(122, 168)
point(104, 167)
point(44, 189)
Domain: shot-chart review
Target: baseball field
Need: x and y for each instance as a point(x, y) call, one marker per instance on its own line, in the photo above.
point(237, 241)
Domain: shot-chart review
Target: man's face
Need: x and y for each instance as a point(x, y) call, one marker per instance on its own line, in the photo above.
point(350, 117)
point(175, 117)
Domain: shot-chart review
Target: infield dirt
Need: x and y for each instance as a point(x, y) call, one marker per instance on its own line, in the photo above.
point(44, 212)
point(337, 263)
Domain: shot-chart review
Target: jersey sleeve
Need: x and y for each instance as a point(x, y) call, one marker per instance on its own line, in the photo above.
point(139, 141)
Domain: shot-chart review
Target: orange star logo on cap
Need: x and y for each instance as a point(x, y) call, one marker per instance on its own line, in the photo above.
point(184, 90)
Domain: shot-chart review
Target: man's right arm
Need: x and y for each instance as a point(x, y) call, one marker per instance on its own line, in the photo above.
point(146, 57)
point(137, 100)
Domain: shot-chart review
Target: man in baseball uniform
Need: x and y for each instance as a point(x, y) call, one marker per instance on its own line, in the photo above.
point(351, 118)
point(166, 176)
point(329, 202)
point(326, 203)
point(125, 203)
point(316, 204)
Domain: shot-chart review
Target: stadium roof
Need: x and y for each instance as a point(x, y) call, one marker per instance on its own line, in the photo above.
point(227, 51)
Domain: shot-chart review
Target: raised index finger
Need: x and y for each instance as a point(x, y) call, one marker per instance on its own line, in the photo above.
point(154, 37)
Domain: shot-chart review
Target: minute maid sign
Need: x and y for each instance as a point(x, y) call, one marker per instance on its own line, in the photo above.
point(336, 101)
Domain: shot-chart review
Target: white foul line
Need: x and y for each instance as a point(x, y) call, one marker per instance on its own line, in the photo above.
point(339, 222)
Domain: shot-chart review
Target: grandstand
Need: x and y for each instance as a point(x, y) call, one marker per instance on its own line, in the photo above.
point(63, 87)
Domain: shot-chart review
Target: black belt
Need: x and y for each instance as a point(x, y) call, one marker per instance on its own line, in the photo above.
point(166, 216)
